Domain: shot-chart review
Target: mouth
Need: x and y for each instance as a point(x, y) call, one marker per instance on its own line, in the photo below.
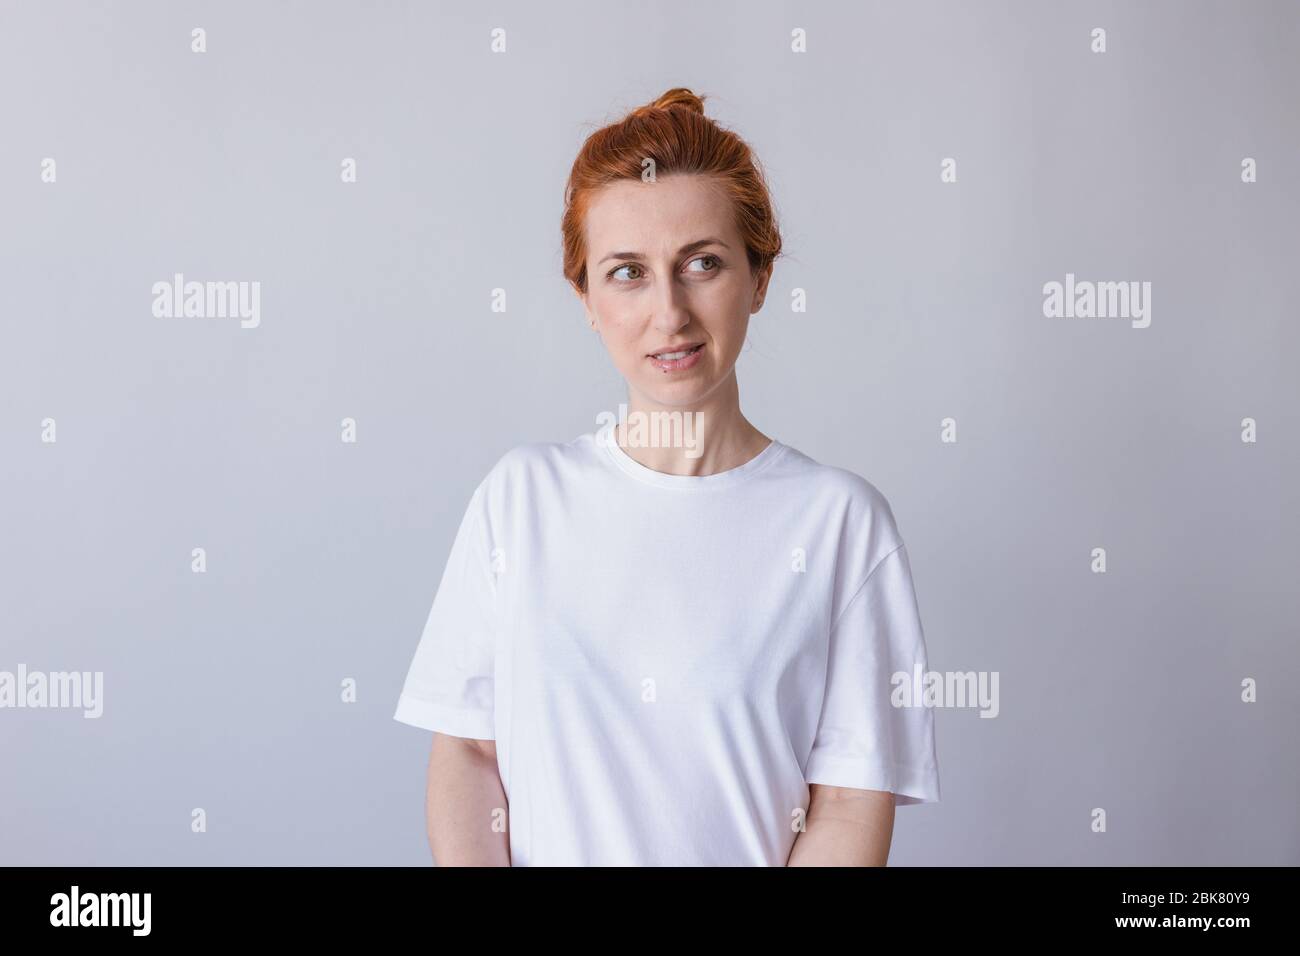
point(676, 359)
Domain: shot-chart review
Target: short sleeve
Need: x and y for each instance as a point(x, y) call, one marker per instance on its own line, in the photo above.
point(863, 740)
point(449, 687)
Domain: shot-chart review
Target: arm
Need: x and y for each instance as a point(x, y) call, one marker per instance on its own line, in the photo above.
point(845, 827)
point(464, 795)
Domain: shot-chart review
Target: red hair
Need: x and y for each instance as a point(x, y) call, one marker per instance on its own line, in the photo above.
point(674, 132)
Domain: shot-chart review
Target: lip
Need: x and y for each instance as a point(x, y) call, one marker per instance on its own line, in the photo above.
point(680, 364)
point(680, 346)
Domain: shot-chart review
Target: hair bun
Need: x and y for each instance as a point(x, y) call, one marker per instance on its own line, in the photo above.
point(677, 96)
point(673, 132)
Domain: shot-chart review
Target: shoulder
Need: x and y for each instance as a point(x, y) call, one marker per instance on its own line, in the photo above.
point(531, 457)
point(843, 490)
point(849, 510)
point(529, 466)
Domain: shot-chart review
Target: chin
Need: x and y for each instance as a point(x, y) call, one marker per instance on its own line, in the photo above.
point(683, 394)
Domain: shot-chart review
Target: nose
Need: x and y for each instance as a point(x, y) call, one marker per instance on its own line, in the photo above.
point(671, 308)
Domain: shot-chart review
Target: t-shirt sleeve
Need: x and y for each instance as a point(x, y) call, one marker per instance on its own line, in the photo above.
point(449, 687)
point(862, 739)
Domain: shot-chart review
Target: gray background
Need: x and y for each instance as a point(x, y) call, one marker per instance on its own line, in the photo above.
point(1118, 691)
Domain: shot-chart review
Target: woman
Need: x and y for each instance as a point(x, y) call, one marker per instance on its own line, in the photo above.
point(671, 653)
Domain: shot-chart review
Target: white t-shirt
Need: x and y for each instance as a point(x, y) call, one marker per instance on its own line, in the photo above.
point(666, 662)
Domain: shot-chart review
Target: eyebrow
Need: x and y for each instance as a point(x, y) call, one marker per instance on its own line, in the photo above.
point(689, 247)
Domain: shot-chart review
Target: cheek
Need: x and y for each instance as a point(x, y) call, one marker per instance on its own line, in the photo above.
point(726, 322)
point(725, 308)
point(620, 325)
point(619, 328)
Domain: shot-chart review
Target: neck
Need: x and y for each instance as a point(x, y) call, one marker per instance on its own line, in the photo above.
point(703, 439)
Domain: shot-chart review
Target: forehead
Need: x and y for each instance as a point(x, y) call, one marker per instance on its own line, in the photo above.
point(658, 216)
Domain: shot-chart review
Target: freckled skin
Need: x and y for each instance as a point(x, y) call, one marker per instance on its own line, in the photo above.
point(666, 298)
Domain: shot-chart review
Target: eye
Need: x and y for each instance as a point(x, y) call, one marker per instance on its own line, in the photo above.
point(717, 263)
point(626, 265)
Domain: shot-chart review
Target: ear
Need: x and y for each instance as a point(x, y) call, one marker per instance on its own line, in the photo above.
point(760, 290)
point(586, 307)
